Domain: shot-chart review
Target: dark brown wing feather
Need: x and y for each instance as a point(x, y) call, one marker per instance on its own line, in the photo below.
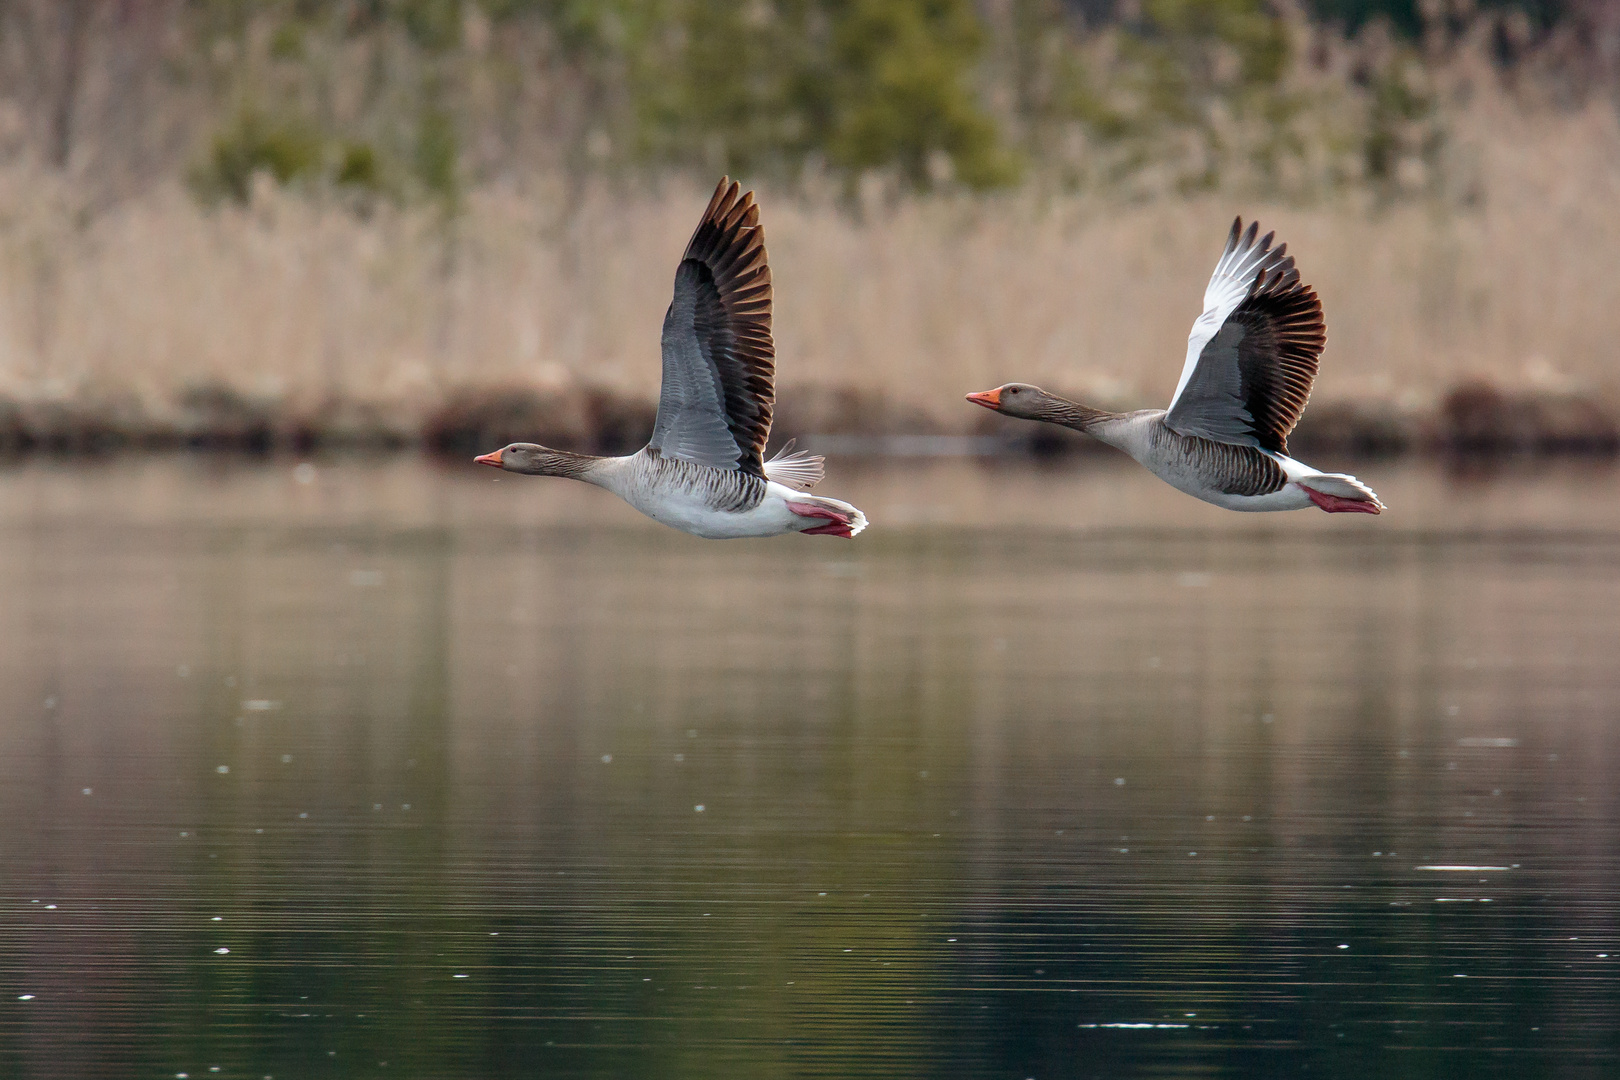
point(1283, 336)
point(1254, 372)
point(726, 262)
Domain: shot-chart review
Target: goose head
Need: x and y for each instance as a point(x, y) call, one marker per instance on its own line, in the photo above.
point(536, 460)
point(1017, 399)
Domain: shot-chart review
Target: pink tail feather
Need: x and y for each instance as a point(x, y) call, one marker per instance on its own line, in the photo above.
point(838, 523)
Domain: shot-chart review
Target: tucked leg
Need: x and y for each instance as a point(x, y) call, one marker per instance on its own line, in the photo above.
point(1335, 504)
point(838, 524)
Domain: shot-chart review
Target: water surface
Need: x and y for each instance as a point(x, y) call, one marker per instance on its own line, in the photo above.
point(393, 769)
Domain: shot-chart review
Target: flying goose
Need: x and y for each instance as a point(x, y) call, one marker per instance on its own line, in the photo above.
point(1251, 358)
point(703, 471)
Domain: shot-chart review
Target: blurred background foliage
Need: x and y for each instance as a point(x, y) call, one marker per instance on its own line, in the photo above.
point(271, 222)
point(411, 100)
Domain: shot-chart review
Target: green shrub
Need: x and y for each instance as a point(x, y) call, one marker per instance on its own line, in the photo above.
point(854, 85)
point(435, 153)
point(358, 167)
point(285, 150)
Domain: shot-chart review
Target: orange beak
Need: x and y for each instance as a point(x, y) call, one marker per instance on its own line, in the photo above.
point(990, 399)
point(489, 459)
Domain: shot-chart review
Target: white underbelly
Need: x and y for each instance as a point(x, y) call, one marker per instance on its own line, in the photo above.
point(691, 514)
point(1290, 497)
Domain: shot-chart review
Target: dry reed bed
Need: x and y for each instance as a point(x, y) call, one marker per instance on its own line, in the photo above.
point(299, 321)
point(1476, 417)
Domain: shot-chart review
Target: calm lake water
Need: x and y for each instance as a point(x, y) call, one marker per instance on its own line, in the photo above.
point(388, 768)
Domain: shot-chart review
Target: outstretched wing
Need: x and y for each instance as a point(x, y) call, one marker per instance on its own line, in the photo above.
point(719, 362)
point(1252, 354)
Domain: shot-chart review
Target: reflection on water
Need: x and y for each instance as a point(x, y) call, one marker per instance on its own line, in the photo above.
point(393, 770)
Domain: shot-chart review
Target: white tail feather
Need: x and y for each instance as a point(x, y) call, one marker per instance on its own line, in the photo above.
point(799, 470)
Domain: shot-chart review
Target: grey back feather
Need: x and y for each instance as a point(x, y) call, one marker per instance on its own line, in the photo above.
point(691, 423)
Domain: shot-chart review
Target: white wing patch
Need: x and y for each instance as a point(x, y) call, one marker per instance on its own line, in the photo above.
point(1228, 286)
point(799, 469)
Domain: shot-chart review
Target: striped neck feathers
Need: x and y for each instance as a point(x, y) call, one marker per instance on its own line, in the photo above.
point(534, 460)
point(1033, 403)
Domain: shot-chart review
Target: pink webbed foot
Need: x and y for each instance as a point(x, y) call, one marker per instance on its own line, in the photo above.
point(837, 524)
point(834, 529)
point(1334, 504)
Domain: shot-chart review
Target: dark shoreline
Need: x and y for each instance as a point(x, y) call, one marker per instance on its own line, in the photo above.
point(1474, 419)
